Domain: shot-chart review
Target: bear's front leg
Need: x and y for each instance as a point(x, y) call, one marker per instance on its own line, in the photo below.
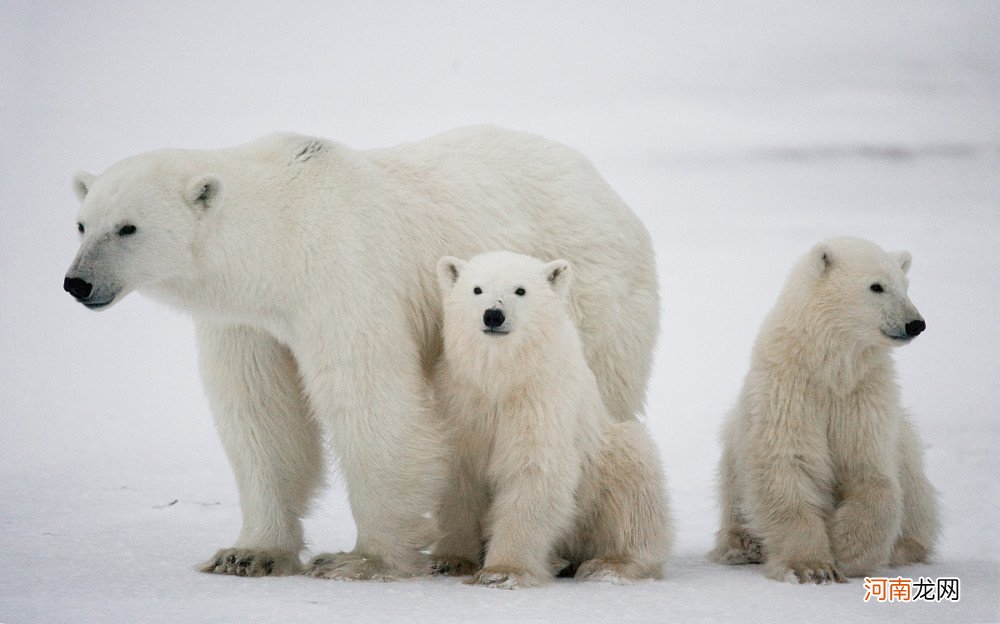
point(273, 445)
point(390, 449)
point(788, 507)
point(533, 507)
point(866, 524)
point(734, 543)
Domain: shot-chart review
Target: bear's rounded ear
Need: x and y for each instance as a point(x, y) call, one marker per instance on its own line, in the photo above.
point(820, 259)
point(559, 275)
point(82, 181)
point(903, 259)
point(448, 270)
point(204, 191)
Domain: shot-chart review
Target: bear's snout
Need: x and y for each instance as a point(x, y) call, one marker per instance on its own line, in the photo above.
point(914, 328)
point(77, 287)
point(493, 318)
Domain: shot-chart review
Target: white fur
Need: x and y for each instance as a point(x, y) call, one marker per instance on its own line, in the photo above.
point(822, 472)
point(542, 473)
point(309, 270)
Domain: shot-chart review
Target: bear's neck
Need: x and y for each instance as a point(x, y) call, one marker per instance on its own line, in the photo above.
point(234, 283)
point(541, 360)
point(822, 354)
point(255, 262)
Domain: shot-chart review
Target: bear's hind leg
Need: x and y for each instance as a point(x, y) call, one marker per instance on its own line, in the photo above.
point(392, 454)
point(460, 513)
point(631, 532)
point(273, 445)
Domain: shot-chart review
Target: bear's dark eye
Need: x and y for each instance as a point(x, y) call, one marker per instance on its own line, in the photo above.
point(519, 292)
point(126, 230)
point(477, 290)
point(79, 227)
point(876, 287)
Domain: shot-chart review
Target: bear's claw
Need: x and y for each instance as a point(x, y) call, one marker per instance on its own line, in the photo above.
point(818, 572)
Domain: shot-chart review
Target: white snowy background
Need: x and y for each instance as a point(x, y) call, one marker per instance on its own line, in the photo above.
point(741, 133)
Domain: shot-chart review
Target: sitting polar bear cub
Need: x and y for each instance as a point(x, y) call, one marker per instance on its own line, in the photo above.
point(542, 473)
point(822, 472)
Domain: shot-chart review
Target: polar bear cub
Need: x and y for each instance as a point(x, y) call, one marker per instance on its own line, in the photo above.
point(822, 471)
point(543, 480)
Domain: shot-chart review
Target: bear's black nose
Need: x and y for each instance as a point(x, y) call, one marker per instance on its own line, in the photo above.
point(77, 287)
point(913, 328)
point(493, 318)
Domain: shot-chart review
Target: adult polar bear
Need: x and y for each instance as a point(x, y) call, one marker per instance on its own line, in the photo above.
point(309, 270)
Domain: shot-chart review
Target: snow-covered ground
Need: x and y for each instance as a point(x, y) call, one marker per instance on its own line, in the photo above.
point(740, 133)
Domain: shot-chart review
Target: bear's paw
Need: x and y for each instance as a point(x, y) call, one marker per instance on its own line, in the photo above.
point(251, 562)
point(452, 566)
point(908, 550)
point(616, 570)
point(738, 547)
point(503, 577)
point(351, 566)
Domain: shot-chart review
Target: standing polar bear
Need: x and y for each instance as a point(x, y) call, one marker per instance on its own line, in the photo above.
point(541, 473)
point(822, 471)
point(309, 270)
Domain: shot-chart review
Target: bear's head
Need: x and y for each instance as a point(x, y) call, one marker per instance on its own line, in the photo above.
point(138, 226)
point(860, 292)
point(500, 302)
